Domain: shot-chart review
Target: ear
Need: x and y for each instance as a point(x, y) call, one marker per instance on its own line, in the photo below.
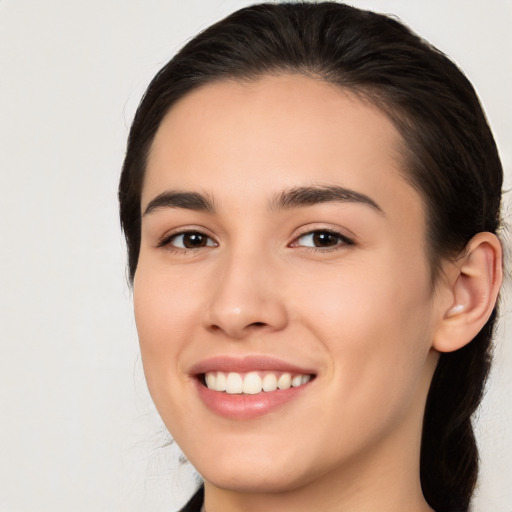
point(469, 293)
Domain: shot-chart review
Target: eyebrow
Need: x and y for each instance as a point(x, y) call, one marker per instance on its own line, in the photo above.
point(295, 197)
point(177, 199)
point(308, 196)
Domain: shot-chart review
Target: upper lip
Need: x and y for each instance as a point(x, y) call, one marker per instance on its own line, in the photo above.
point(247, 364)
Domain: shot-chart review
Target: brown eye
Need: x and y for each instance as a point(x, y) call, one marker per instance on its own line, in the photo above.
point(190, 240)
point(322, 239)
point(325, 239)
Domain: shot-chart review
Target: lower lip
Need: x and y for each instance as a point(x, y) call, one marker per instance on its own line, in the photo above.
point(242, 406)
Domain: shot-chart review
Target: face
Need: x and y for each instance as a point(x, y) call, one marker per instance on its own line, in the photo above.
point(283, 296)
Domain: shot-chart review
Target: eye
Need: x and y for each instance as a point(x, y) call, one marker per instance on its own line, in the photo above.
point(322, 239)
point(188, 240)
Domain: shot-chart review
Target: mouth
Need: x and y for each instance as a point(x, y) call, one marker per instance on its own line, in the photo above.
point(253, 382)
point(249, 387)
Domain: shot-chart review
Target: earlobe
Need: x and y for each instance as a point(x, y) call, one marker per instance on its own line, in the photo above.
point(473, 285)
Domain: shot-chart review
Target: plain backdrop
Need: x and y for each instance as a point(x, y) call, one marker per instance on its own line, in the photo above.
point(77, 429)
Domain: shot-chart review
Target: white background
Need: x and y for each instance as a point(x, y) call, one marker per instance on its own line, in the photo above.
point(77, 430)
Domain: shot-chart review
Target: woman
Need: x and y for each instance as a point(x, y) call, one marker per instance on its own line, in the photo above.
point(310, 198)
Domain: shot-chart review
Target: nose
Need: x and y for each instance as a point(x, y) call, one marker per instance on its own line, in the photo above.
point(246, 298)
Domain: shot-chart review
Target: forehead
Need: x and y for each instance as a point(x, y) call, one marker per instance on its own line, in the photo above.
point(252, 139)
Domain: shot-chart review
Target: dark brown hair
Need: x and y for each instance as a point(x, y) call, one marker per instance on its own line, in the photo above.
point(449, 153)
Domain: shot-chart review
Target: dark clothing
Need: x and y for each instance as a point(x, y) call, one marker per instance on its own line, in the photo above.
point(196, 502)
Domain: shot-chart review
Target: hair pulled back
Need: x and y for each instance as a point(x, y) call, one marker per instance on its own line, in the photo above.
point(449, 156)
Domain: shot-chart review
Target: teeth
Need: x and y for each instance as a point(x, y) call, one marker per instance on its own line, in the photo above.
point(210, 381)
point(285, 381)
point(269, 382)
point(220, 382)
point(234, 383)
point(252, 383)
point(297, 381)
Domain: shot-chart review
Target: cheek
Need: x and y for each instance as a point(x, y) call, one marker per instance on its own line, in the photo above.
point(373, 321)
point(164, 311)
point(362, 295)
point(164, 303)
point(164, 315)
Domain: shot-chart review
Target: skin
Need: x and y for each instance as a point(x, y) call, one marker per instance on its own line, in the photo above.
point(362, 315)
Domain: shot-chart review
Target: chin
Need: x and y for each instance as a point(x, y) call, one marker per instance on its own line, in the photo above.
point(256, 474)
point(250, 481)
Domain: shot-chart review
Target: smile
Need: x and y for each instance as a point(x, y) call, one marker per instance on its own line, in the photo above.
point(253, 383)
point(249, 387)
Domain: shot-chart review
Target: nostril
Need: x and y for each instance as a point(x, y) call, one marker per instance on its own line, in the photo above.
point(257, 324)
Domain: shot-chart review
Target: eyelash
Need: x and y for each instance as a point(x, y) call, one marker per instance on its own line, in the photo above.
point(342, 240)
point(166, 241)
